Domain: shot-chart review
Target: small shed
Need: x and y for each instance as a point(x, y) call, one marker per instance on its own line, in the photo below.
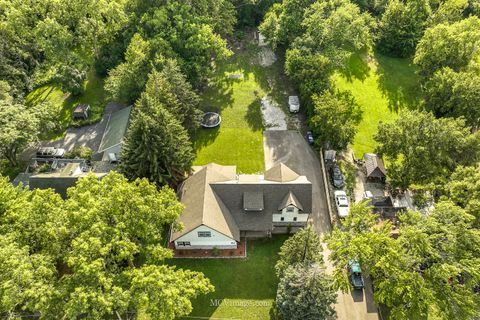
point(81, 111)
point(374, 167)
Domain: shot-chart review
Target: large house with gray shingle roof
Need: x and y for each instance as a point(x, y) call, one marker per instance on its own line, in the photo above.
point(222, 206)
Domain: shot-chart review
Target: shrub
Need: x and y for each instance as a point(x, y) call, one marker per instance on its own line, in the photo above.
point(79, 152)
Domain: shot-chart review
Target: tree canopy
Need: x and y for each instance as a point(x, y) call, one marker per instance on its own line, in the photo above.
point(303, 247)
point(463, 188)
point(306, 292)
point(422, 149)
point(431, 269)
point(335, 118)
point(98, 253)
point(448, 45)
point(170, 88)
point(454, 94)
point(402, 25)
point(19, 126)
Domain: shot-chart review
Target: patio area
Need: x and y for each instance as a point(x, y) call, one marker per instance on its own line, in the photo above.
point(240, 252)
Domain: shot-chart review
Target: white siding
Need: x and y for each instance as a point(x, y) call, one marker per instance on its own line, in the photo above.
point(289, 216)
point(217, 240)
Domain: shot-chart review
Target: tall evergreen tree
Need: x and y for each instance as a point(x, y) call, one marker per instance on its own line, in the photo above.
point(170, 88)
point(306, 292)
point(303, 247)
point(156, 147)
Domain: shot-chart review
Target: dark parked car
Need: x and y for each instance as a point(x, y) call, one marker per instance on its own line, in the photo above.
point(355, 274)
point(310, 137)
point(50, 152)
point(336, 176)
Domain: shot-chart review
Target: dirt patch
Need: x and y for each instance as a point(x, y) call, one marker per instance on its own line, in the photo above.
point(267, 56)
point(273, 116)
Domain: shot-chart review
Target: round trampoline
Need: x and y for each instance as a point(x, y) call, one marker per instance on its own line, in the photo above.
point(211, 120)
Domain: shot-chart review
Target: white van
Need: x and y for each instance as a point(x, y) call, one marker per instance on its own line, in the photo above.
point(293, 104)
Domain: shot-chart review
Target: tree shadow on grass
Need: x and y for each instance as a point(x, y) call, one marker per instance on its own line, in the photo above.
point(356, 67)
point(218, 96)
point(398, 82)
point(204, 137)
point(254, 115)
point(39, 95)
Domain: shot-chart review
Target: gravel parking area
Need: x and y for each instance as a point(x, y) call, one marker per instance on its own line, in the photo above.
point(273, 116)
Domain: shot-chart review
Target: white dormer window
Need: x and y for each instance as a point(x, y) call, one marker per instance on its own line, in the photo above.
point(290, 209)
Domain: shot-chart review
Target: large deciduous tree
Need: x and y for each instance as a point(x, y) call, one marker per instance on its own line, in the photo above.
point(432, 265)
point(156, 147)
point(97, 254)
point(283, 22)
point(402, 26)
point(310, 71)
point(452, 45)
point(127, 80)
point(18, 127)
point(422, 149)
point(335, 118)
point(306, 292)
point(332, 31)
point(336, 28)
point(463, 188)
point(454, 94)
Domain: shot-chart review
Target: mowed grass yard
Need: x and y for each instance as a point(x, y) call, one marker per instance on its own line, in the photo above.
point(93, 94)
point(235, 92)
point(382, 86)
point(246, 287)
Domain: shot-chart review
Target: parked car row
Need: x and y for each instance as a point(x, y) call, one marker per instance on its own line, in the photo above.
point(336, 176)
point(342, 203)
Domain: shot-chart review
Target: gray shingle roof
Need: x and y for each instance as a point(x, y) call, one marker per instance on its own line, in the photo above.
point(231, 194)
point(374, 165)
point(203, 206)
point(216, 197)
point(116, 129)
point(290, 199)
point(253, 201)
point(281, 173)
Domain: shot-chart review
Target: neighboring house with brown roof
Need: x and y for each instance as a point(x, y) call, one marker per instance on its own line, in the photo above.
point(221, 206)
point(375, 167)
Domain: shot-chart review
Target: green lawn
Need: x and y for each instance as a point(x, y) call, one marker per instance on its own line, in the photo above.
point(94, 95)
point(247, 286)
point(239, 139)
point(382, 86)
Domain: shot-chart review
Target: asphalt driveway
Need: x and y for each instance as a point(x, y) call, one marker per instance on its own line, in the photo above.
point(291, 148)
point(86, 136)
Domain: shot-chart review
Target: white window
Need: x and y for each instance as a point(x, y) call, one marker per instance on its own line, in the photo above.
point(282, 219)
point(183, 243)
point(204, 234)
point(290, 209)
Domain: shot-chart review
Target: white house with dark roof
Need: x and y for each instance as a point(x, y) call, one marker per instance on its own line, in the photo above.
point(221, 206)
